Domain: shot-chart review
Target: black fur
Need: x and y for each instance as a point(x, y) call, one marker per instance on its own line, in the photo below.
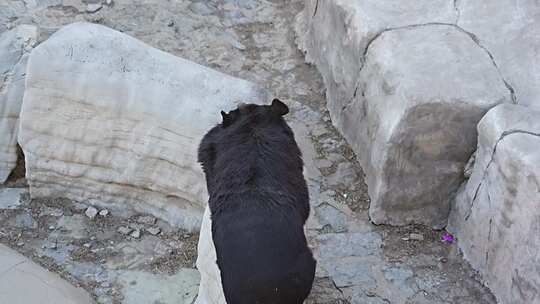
point(259, 204)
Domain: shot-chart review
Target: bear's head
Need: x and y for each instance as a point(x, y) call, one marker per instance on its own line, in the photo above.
point(248, 127)
point(251, 115)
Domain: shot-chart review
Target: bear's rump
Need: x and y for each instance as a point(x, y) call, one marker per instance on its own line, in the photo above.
point(263, 255)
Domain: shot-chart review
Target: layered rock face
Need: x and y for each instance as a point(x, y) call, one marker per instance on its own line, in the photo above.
point(111, 121)
point(14, 47)
point(406, 87)
point(497, 212)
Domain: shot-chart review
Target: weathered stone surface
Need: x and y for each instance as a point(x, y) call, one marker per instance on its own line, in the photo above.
point(14, 47)
point(75, 225)
point(411, 128)
point(391, 73)
point(210, 288)
point(271, 59)
point(334, 35)
point(109, 120)
point(510, 30)
point(496, 215)
point(24, 221)
point(140, 287)
point(22, 281)
point(10, 10)
point(416, 130)
point(10, 198)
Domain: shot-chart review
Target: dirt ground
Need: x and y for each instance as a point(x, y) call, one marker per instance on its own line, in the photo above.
point(251, 39)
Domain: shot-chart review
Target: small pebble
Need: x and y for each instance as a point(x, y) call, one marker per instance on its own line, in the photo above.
point(87, 245)
point(91, 212)
point(170, 24)
point(20, 244)
point(416, 237)
point(51, 227)
point(136, 233)
point(153, 230)
point(92, 238)
point(443, 260)
point(104, 212)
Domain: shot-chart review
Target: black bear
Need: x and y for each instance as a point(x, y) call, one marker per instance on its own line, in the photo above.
point(259, 203)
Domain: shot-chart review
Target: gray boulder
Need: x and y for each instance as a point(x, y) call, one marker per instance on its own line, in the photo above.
point(413, 120)
point(406, 88)
point(496, 216)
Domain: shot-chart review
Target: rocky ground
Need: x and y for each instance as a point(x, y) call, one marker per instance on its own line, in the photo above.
point(143, 260)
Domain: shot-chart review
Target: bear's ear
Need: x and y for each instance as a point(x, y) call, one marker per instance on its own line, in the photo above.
point(278, 107)
point(227, 119)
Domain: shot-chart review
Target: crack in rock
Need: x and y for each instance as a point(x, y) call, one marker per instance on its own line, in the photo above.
point(471, 35)
point(492, 158)
point(488, 52)
point(458, 12)
point(351, 100)
point(8, 76)
point(338, 289)
point(489, 235)
point(11, 268)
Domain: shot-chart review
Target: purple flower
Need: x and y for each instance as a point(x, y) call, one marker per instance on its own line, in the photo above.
point(447, 237)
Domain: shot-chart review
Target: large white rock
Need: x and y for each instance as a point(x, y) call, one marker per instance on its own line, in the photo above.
point(14, 47)
point(406, 92)
point(497, 213)
point(112, 121)
point(510, 30)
